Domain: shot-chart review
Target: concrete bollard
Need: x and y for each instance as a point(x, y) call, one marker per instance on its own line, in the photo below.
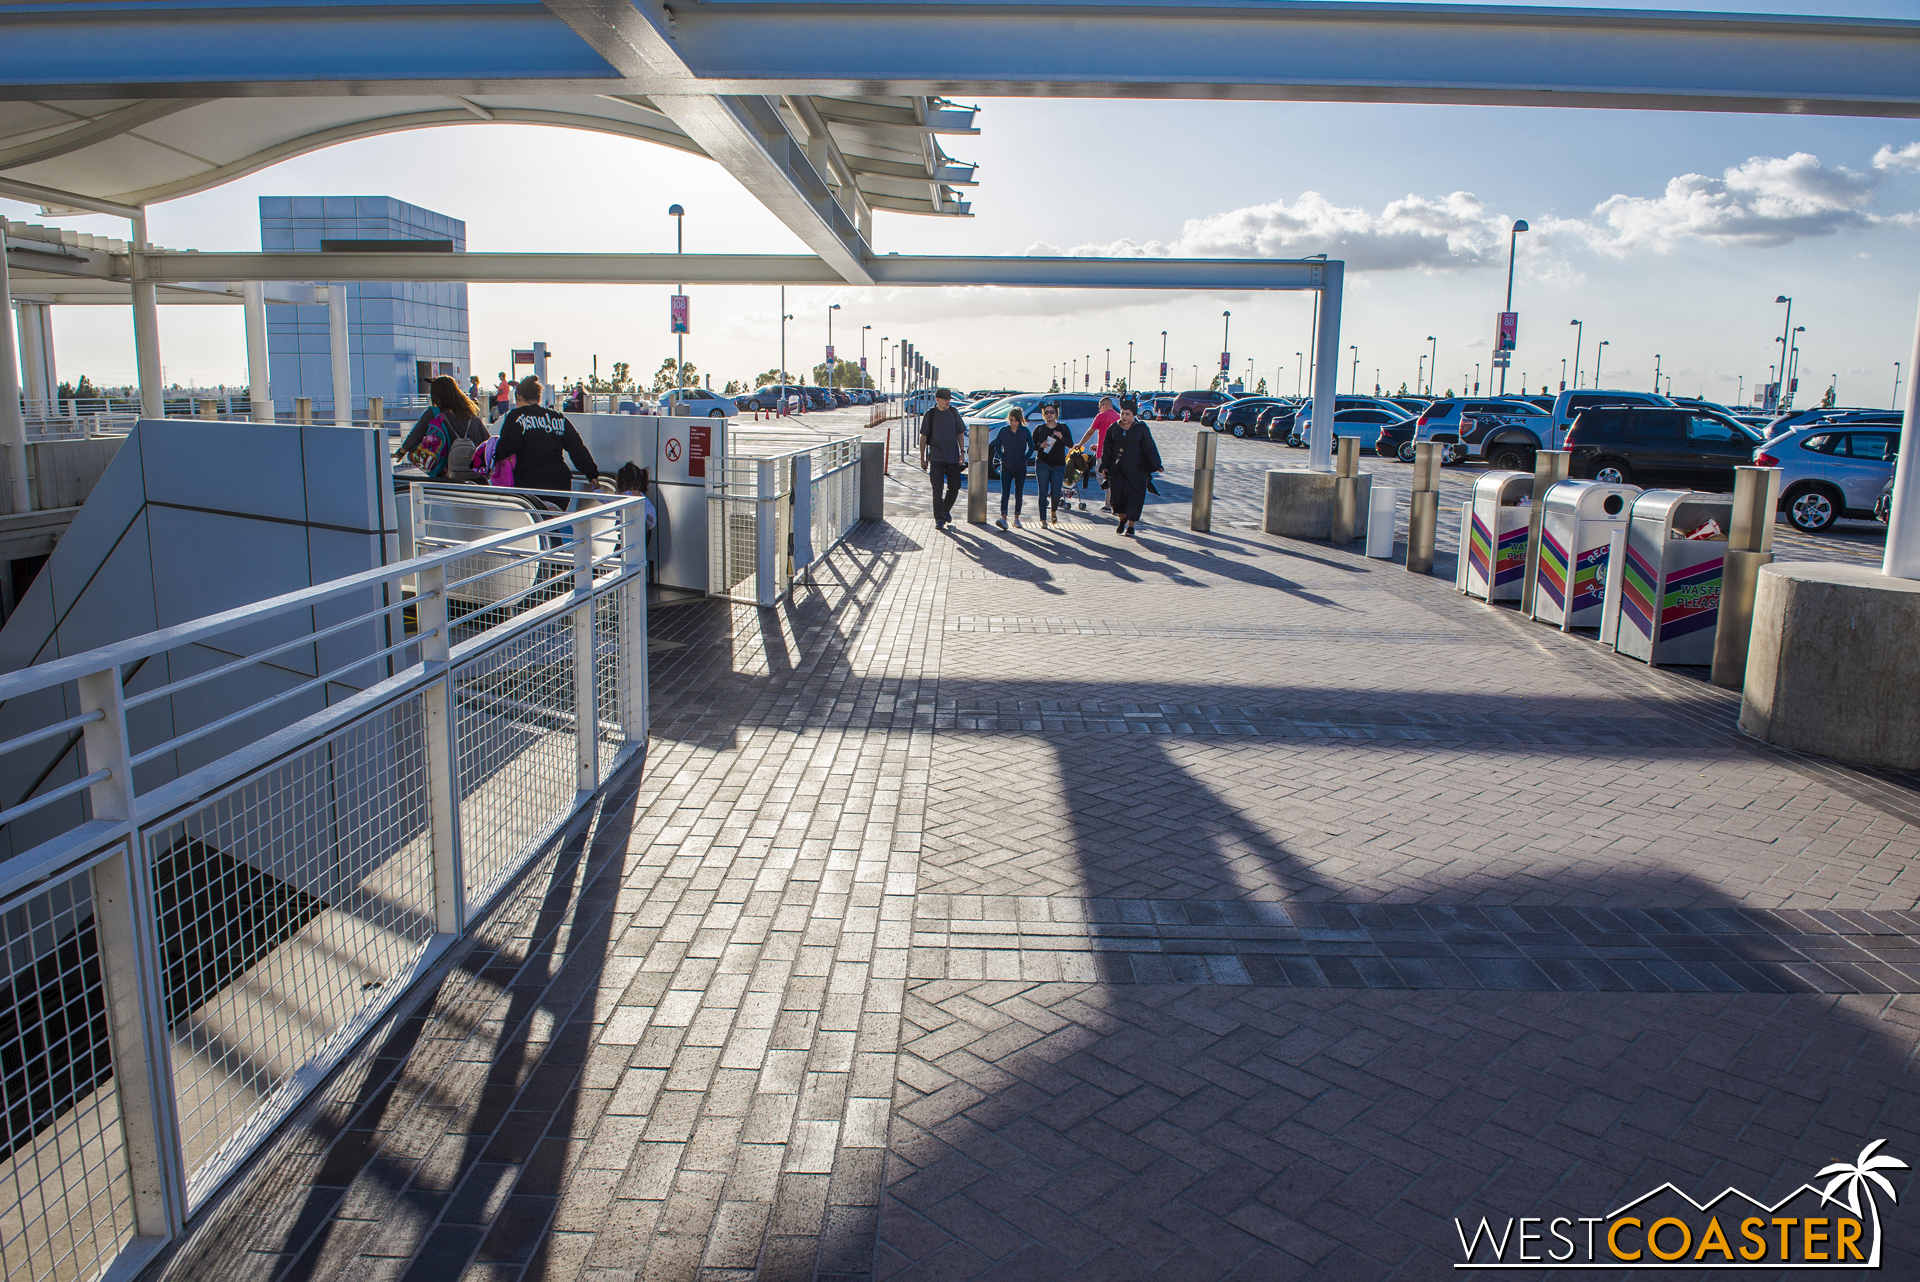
point(1549, 467)
point(1385, 502)
point(1346, 491)
point(1756, 497)
point(207, 407)
point(1205, 444)
point(1423, 508)
point(303, 409)
point(977, 483)
point(376, 410)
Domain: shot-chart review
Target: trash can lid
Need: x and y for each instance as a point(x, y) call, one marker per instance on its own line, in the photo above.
point(1502, 488)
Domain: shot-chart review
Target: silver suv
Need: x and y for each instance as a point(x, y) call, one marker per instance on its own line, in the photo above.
point(1831, 470)
point(1504, 430)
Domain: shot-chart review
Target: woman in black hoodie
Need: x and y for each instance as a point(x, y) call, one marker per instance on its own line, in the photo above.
point(1131, 458)
point(535, 437)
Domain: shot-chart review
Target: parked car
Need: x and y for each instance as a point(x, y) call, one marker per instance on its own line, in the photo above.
point(1414, 405)
point(1242, 417)
point(694, 402)
point(1883, 506)
point(1276, 421)
point(1660, 447)
point(1783, 423)
point(1362, 422)
point(1828, 473)
point(769, 397)
point(1157, 406)
point(1076, 415)
point(1395, 440)
point(1187, 405)
point(1519, 426)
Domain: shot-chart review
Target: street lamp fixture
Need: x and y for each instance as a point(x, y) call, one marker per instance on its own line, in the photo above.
point(1513, 240)
point(831, 309)
point(1433, 363)
point(1579, 335)
point(1598, 353)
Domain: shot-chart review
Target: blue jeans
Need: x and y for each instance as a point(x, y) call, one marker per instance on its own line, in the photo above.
point(1050, 476)
point(1013, 481)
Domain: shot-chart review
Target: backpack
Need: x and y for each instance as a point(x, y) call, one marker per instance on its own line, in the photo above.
point(460, 460)
point(430, 455)
point(501, 471)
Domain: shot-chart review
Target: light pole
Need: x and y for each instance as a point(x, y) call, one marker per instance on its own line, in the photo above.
point(863, 354)
point(831, 309)
point(1299, 372)
point(1792, 375)
point(1580, 333)
point(1895, 402)
point(1376, 380)
point(1163, 360)
point(1513, 240)
point(1129, 367)
point(785, 316)
point(1476, 378)
point(1656, 373)
point(1089, 376)
point(679, 217)
point(1420, 376)
point(1354, 382)
point(1433, 363)
point(1786, 325)
point(1106, 372)
point(1226, 348)
point(1598, 353)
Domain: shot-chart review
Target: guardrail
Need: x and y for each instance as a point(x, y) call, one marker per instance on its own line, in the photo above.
point(189, 953)
point(761, 495)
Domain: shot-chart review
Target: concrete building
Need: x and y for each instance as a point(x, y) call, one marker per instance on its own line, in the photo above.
point(400, 334)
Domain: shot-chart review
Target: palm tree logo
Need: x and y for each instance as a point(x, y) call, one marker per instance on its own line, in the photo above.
point(1855, 1176)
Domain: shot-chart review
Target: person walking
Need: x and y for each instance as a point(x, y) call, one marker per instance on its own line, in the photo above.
point(1097, 433)
point(1130, 458)
point(1050, 444)
point(943, 446)
point(1014, 445)
point(450, 421)
point(535, 437)
point(502, 396)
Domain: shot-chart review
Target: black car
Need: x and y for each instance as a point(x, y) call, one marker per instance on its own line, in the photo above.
point(1659, 447)
point(1275, 421)
point(1395, 441)
point(1243, 417)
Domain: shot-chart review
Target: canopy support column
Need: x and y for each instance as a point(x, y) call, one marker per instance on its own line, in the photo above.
point(146, 327)
point(1902, 559)
point(259, 392)
point(1326, 369)
point(337, 342)
point(13, 426)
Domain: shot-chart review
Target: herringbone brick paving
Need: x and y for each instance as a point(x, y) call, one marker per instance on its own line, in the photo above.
point(957, 927)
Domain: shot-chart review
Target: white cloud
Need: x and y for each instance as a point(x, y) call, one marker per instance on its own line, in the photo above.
point(1907, 157)
point(1766, 201)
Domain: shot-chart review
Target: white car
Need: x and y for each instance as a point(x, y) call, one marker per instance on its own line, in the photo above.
point(696, 402)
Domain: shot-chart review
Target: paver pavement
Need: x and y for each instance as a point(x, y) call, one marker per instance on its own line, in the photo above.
point(1052, 905)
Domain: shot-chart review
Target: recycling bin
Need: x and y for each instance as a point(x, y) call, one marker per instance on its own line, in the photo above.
point(1670, 584)
point(1497, 543)
point(1571, 578)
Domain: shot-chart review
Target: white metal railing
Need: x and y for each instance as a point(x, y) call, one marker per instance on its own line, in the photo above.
point(761, 493)
point(187, 953)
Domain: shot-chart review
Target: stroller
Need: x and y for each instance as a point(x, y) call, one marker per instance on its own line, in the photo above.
point(1080, 465)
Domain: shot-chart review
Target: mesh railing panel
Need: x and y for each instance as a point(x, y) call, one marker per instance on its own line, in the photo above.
point(515, 740)
point(65, 1204)
point(284, 906)
point(606, 676)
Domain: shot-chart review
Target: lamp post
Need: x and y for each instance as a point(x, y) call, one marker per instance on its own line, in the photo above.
point(1563, 373)
point(831, 309)
point(1130, 389)
point(1299, 371)
point(1793, 363)
point(1656, 373)
point(1513, 240)
point(1598, 353)
point(1476, 378)
point(1226, 348)
point(1089, 374)
point(679, 217)
point(1580, 333)
point(1433, 363)
point(1420, 377)
point(863, 353)
point(1895, 402)
point(1163, 360)
point(785, 316)
point(1354, 382)
point(1106, 372)
point(1786, 329)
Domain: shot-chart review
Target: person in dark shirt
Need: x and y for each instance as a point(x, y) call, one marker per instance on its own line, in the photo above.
point(1050, 443)
point(1130, 459)
point(1014, 446)
point(943, 443)
point(534, 437)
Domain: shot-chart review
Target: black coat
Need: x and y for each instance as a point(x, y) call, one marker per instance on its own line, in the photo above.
point(1132, 453)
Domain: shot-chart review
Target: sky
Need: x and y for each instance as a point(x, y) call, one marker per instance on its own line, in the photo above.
point(1665, 233)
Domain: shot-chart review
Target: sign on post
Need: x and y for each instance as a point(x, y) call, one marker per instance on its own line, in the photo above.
point(677, 316)
point(1508, 336)
point(829, 353)
point(1226, 361)
point(522, 358)
point(1163, 371)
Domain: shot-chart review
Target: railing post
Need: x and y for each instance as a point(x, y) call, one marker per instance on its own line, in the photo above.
point(586, 686)
point(125, 925)
point(767, 557)
point(631, 641)
point(442, 752)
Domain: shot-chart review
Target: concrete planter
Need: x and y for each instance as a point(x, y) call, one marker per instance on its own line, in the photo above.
point(1300, 504)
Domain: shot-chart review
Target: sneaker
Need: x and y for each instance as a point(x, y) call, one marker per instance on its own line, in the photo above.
point(1017, 525)
point(1002, 523)
point(1107, 508)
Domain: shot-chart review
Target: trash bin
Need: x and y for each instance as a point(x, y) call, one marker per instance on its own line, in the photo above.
point(1497, 544)
point(1670, 584)
point(1577, 519)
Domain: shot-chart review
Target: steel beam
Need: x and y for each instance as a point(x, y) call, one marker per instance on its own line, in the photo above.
point(745, 269)
point(1248, 49)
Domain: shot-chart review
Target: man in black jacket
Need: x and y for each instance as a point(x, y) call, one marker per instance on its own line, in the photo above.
point(943, 452)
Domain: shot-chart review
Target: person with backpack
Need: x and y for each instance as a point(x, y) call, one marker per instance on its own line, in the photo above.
point(532, 440)
point(442, 442)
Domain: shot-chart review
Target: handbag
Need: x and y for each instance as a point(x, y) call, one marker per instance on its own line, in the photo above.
point(430, 455)
point(502, 473)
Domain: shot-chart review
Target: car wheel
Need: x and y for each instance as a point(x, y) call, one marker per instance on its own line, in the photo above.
point(1613, 472)
point(1812, 510)
point(716, 414)
point(1511, 458)
point(1240, 430)
point(1406, 451)
point(1452, 454)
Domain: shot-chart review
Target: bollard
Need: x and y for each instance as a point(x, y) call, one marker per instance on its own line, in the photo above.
point(377, 410)
point(977, 484)
point(1384, 500)
point(1346, 491)
point(207, 407)
point(1204, 446)
point(1423, 508)
point(303, 409)
point(1549, 467)
point(1756, 496)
